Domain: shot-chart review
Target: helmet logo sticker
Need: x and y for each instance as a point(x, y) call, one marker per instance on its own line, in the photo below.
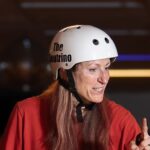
point(95, 42)
point(58, 47)
point(59, 56)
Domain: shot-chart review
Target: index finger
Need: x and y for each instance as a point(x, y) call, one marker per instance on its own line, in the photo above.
point(144, 129)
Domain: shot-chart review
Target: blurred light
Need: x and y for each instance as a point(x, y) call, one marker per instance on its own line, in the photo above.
point(25, 65)
point(26, 88)
point(4, 65)
point(130, 73)
point(133, 57)
point(48, 68)
point(37, 5)
point(26, 43)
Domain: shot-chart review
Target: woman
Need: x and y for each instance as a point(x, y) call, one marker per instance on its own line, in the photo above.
point(73, 114)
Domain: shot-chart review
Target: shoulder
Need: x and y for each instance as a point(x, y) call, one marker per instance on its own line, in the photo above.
point(29, 102)
point(120, 115)
point(115, 108)
point(30, 105)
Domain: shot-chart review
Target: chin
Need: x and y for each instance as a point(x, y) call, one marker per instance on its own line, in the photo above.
point(98, 100)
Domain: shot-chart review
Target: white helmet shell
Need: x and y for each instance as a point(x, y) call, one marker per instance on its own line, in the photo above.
point(79, 43)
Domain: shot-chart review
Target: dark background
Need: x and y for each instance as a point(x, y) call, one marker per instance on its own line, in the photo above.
point(27, 27)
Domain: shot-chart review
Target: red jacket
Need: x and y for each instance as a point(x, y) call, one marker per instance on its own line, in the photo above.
point(27, 129)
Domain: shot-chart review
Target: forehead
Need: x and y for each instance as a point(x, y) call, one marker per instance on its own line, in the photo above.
point(96, 62)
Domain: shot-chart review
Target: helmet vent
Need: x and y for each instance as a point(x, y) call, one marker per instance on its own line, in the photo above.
point(95, 42)
point(106, 40)
point(78, 27)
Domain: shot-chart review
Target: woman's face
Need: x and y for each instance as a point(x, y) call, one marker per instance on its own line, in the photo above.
point(91, 78)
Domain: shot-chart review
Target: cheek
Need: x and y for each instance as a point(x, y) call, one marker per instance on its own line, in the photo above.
point(82, 82)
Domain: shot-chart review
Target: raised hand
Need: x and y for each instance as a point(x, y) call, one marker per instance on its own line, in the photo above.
point(144, 141)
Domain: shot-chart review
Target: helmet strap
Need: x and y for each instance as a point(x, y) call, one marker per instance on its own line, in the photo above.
point(70, 85)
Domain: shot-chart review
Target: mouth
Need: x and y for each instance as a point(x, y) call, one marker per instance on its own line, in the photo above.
point(98, 89)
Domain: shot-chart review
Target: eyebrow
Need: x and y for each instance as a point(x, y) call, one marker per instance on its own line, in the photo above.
point(107, 63)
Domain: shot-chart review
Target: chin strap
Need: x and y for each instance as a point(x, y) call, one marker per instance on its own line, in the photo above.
point(70, 85)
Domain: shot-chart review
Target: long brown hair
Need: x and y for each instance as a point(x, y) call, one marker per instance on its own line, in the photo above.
point(94, 131)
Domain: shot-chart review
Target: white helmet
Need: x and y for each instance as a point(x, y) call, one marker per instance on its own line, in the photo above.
point(79, 43)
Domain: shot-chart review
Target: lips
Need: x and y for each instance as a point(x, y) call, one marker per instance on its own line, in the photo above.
point(98, 89)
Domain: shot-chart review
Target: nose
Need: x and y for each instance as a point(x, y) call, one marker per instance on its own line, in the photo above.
point(103, 77)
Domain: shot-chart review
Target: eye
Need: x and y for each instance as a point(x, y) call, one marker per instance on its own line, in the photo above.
point(92, 69)
point(107, 67)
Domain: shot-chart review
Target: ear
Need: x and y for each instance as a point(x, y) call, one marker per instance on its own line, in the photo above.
point(62, 74)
